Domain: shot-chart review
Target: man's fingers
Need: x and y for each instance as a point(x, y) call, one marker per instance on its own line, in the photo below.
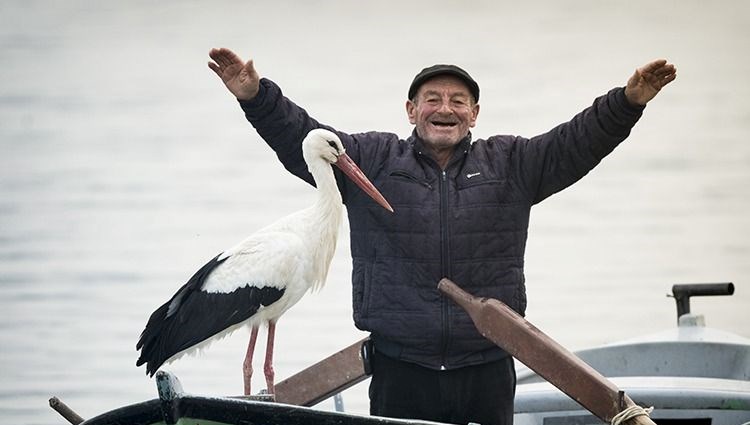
point(668, 79)
point(652, 66)
point(658, 73)
point(658, 68)
point(215, 68)
point(665, 70)
point(224, 57)
point(665, 75)
point(217, 56)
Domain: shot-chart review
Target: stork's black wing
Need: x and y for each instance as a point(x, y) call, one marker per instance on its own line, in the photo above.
point(192, 316)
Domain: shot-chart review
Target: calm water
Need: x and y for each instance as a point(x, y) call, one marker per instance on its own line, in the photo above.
point(125, 165)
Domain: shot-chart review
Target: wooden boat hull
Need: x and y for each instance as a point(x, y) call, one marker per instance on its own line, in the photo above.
point(175, 407)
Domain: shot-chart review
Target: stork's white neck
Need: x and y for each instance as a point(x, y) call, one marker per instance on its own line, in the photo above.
point(324, 217)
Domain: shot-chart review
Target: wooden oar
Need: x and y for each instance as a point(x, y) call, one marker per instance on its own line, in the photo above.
point(506, 328)
point(324, 379)
point(65, 411)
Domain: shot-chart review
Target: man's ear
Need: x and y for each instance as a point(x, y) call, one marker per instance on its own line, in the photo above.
point(411, 111)
point(474, 115)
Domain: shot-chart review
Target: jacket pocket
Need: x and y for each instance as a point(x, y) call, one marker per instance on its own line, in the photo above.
point(403, 188)
point(406, 176)
point(361, 287)
point(467, 180)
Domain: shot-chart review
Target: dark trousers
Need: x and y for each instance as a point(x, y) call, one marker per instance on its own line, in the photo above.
point(481, 394)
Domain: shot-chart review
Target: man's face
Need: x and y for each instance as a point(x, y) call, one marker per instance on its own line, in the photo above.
point(443, 111)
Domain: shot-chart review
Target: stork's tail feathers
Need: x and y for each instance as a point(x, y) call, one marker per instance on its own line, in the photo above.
point(193, 316)
point(155, 339)
point(153, 353)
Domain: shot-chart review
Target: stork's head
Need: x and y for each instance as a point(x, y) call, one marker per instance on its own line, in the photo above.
point(323, 144)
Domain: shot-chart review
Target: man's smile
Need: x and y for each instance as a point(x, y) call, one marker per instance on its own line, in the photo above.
point(443, 123)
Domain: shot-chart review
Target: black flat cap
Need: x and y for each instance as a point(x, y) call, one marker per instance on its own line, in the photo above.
point(442, 69)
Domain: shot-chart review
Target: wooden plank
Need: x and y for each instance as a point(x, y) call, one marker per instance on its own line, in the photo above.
point(561, 368)
point(324, 379)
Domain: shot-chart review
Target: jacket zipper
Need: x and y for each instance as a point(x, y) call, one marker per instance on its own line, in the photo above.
point(444, 261)
point(444, 254)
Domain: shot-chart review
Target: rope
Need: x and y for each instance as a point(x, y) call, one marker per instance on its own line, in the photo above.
point(630, 413)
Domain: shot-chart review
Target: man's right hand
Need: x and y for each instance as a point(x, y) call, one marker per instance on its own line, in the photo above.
point(241, 78)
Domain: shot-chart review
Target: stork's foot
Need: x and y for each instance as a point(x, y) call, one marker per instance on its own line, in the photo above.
point(261, 396)
point(268, 395)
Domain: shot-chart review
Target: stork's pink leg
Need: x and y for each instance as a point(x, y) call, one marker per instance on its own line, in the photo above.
point(268, 364)
point(247, 366)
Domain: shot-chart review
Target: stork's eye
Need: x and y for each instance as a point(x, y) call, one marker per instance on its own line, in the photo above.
point(335, 147)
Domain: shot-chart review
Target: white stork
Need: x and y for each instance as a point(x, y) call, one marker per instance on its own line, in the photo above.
point(256, 281)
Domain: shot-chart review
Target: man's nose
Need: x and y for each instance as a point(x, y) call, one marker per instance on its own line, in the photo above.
point(445, 108)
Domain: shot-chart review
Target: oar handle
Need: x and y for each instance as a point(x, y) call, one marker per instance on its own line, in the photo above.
point(458, 295)
point(65, 411)
point(506, 328)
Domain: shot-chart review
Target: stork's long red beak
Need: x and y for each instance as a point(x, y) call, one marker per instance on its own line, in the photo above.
point(352, 171)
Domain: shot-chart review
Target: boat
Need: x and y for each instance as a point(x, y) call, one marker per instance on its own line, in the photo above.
point(690, 375)
point(174, 406)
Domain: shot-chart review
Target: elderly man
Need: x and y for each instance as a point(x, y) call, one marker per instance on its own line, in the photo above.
point(461, 211)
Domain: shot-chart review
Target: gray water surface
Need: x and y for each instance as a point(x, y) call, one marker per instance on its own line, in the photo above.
point(125, 165)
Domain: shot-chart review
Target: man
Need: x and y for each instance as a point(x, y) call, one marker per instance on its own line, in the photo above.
point(461, 211)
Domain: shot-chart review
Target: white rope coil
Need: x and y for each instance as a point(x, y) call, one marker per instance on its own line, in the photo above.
point(630, 413)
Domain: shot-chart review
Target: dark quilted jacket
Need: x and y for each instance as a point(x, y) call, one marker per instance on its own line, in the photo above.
point(468, 223)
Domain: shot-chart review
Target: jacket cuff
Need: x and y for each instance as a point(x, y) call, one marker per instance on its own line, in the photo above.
point(254, 105)
point(625, 105)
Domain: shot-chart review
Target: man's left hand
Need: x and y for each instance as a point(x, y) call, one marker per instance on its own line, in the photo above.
point(648, 80)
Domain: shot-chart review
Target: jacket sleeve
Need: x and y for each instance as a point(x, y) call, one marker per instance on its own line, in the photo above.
point(282, 124)
point(552, 161)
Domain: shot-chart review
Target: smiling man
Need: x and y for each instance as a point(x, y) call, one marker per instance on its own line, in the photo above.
point(461, 211)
